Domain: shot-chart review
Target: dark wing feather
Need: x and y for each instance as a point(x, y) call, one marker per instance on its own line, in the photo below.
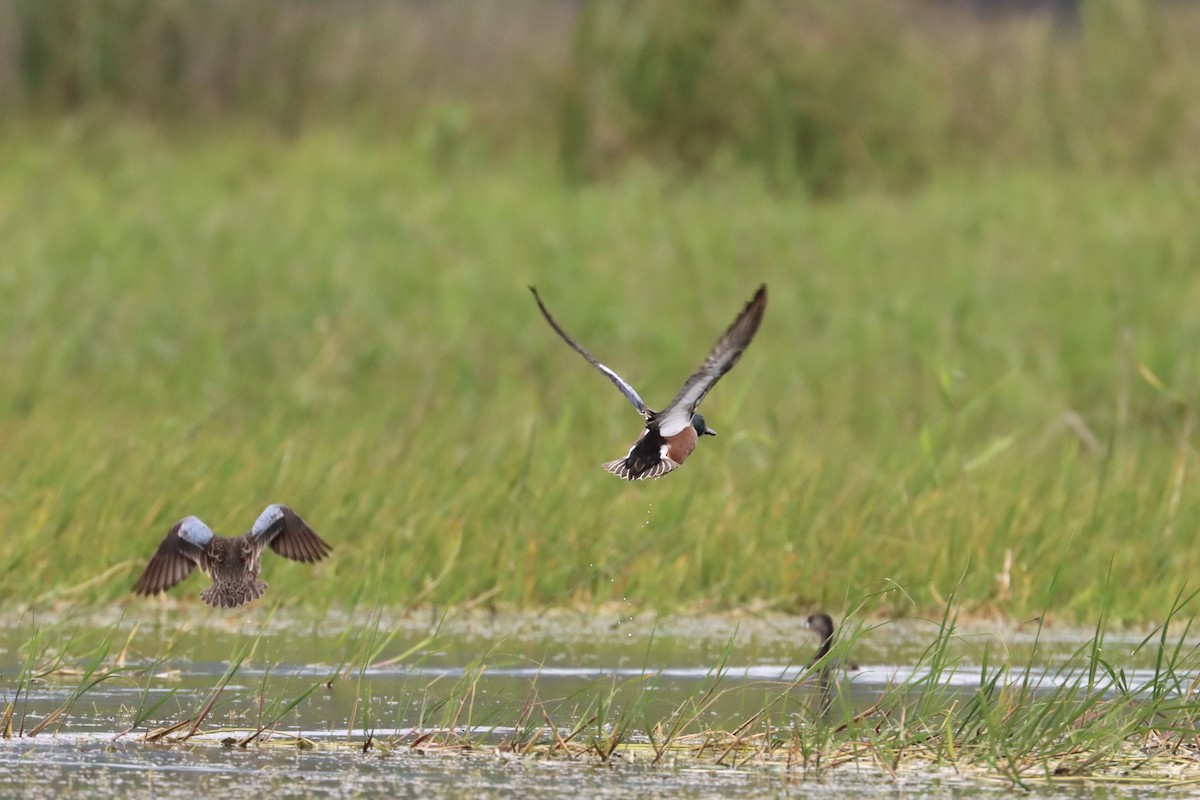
point(678, 415)
point(290, 536)
point(174, 560)
point(617, 380)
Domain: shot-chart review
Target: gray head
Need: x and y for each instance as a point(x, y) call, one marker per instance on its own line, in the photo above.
point(701, 428)
point(821, 625)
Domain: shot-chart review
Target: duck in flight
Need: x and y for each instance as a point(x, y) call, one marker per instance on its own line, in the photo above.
point(231, 562)
point(671, 434)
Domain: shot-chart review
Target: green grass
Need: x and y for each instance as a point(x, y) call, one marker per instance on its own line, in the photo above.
point(204, 322)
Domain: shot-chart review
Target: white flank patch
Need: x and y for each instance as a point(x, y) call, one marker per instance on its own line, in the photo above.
point(674, 420)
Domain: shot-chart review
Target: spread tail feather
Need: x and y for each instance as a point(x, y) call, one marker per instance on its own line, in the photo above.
point(227, 596)
point(622, 469)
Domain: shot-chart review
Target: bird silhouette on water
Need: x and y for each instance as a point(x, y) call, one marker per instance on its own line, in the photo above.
point(822, 625)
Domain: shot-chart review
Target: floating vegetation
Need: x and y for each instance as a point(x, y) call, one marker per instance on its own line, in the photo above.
point(1025, 715)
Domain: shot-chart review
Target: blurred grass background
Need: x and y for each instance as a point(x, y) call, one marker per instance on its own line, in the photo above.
point(278, 252)
point(821, 94)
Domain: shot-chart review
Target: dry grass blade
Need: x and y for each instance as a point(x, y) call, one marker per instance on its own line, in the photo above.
point(204, 712)
point(50, 718)
point(159, 733)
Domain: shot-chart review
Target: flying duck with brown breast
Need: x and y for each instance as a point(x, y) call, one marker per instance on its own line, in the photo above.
point(671, 434)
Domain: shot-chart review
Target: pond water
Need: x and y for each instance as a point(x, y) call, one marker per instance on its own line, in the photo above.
point(344, 699)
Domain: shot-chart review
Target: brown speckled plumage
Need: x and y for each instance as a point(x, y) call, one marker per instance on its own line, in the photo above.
point(232, 563)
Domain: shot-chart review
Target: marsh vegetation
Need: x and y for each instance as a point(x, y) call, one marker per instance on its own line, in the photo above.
point(296, 272)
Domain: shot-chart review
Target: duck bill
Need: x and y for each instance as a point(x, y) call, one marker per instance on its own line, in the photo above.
point(709, 431)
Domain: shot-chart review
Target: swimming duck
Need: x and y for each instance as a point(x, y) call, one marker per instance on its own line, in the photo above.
point(822, 625)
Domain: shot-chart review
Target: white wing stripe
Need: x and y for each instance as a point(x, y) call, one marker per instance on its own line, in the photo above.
point(618, 381)
point(625, 388)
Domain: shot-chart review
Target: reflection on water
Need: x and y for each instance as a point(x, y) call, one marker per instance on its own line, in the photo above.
point(343, 683)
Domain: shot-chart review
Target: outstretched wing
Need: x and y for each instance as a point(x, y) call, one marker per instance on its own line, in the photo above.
point(283, 531)
point(678, 415)
point(180, 553)
point(620, 382)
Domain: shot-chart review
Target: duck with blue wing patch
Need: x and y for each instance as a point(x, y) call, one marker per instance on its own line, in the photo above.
point(671, 434)
point(232, 563)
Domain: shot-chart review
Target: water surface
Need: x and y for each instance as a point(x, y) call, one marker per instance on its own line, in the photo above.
point(390, 680)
